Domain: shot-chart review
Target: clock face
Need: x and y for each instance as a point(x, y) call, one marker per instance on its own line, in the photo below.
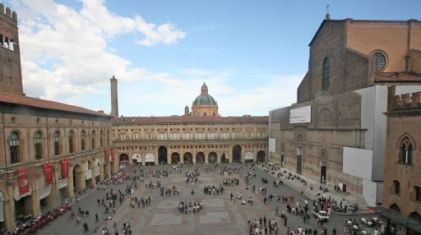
point(379, 61)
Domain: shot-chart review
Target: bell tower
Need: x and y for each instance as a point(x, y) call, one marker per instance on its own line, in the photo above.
point(10, 66)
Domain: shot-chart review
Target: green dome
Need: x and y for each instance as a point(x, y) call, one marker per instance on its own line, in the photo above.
point(204, 99)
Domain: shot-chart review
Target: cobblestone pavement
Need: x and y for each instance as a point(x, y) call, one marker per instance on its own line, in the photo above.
point(219, 216)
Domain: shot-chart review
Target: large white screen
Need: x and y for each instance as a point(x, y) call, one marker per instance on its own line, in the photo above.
point(272, 145)
point(300, 115)
point(358, 162)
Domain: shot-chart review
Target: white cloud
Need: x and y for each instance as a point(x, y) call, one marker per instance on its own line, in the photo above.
point(66, 53)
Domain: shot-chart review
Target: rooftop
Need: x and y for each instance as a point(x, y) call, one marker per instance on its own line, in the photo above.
point(10, 98)
point(193, 120)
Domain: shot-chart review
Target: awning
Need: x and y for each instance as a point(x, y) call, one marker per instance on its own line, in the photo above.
point(249, 156)
point(407, 222)
point(149, 157)
point(136, 156)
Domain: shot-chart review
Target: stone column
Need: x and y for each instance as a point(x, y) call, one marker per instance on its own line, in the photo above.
point(206, 158)
point(181, 157)
point(9, 208)
point(70, 186)
point(54, 199)
point(194, 158)
point(33, 202)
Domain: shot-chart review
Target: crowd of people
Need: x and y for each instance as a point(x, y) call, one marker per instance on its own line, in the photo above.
point(231, 181)
point(190, 206)
point(263, 226)
point(213, 189)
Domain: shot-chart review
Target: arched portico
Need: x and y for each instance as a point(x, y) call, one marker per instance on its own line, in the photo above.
point(78, 178)
point(162, 155)
point(236, 154)
point(260, 156)
point(124, 160)
point(212, 157)
point(200, 158)
point(188, 158)
point(175, 158)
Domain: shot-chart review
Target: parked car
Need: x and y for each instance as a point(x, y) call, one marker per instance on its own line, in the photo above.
point(321, 215)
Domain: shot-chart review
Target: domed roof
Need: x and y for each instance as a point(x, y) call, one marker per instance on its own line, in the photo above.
point(204, 98)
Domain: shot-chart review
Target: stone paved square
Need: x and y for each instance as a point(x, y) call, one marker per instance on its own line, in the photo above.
point(214, 203)
point(215, 218)
point(165, 219)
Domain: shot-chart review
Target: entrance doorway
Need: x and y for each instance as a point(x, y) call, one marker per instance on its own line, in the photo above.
point(224, 159)
point(236, 154)
point(162, 155)
point(200, 158)
point(260, 156)
point(322, 172)
point(188, 158)
point(77, 177)
point(175, 158)
point(124, 160)
point(212, 158)
point(299, 153)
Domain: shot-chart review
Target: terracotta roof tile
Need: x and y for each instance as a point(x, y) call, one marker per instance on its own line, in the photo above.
point(192, 120)
point(44, 104)
point(396, 77)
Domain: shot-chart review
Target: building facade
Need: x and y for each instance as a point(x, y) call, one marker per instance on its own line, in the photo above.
point(402, 183)
point(202, 136)
point(48, 150)
point(338, 120)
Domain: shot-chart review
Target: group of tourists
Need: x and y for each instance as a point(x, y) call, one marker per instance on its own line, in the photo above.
point(169, 191)
point(192, 176)
point(263, 226)
point(213, 189)
point(231, 181)
point(190, 207)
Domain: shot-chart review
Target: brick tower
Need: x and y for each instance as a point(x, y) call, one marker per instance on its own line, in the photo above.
point(10, 67)
point(114, 97)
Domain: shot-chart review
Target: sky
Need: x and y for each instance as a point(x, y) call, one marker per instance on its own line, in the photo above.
point(252, 54)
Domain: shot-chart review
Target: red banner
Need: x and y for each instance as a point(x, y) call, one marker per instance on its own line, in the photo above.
point(23, 180)
point(64, 168)
point(48, 173)
point(112, 154)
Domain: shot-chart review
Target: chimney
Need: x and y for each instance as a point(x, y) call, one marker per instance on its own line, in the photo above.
point(114, 97)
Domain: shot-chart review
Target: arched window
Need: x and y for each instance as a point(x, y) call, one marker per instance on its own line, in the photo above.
point(14, 147)
point(71, 142)
point(405, 153)
point(396, 187)
point(108, 137)
point(38, 145)
point(82, 140)
point(93, 140)
point(56, 140)
point(101, 138)
point(325, 74)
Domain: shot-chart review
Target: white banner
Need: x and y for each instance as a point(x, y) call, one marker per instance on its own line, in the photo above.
point(272, 145)
point(149, 157)
point(88, 174)
point(300, 115)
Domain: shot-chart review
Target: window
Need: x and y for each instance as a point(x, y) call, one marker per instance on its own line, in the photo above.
point(101, 139)
point(14, 147)
point(71, 142)
point(396, 187)
point(405, 153)
point(325, 74)
point(82, 140)
point(56, 140)
point(417, 193)
point(93, 140)
point(378, 61)
point(38, 145)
